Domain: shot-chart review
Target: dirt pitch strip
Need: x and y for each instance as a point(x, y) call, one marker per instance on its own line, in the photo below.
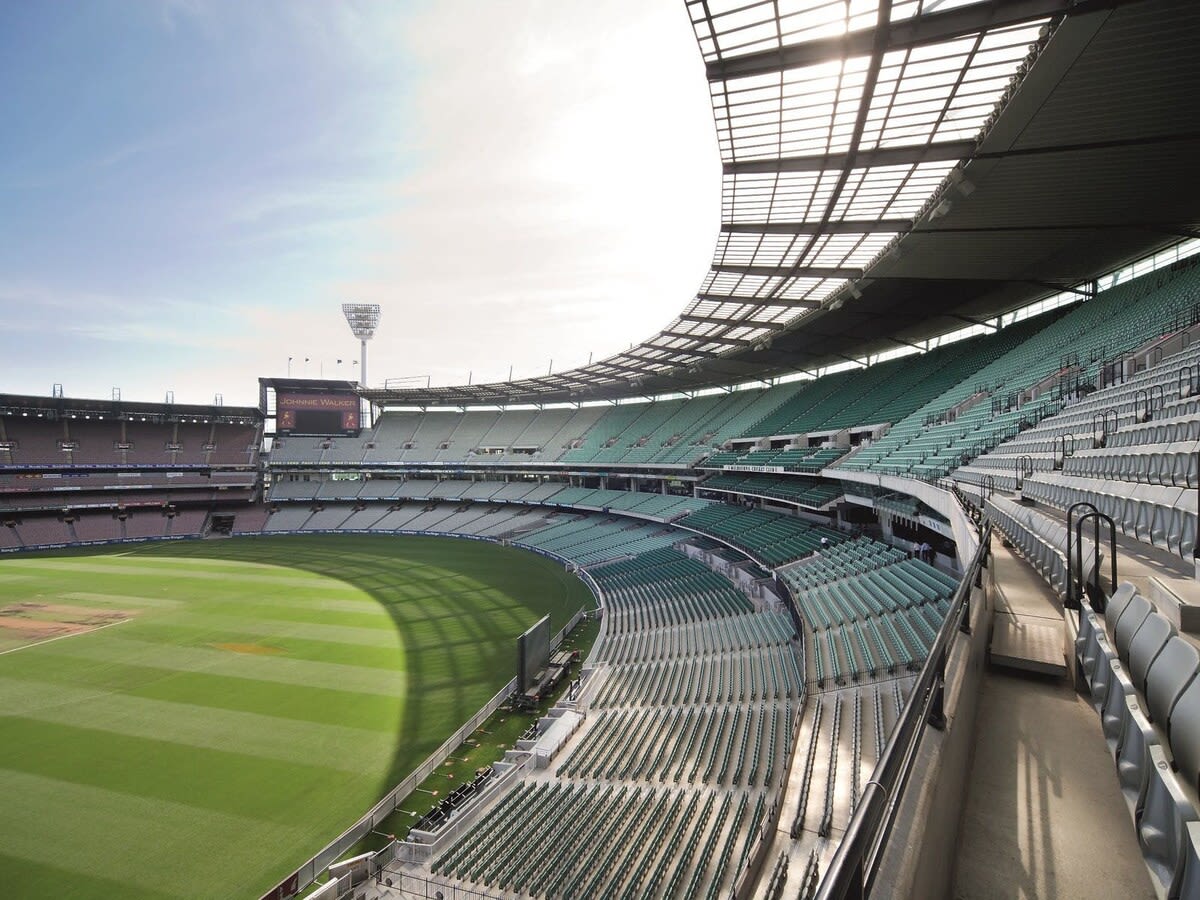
point(24, 624)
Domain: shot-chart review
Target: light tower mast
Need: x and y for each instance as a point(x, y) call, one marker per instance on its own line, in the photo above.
point(363, 319)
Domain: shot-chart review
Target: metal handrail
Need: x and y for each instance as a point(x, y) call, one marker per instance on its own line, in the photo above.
point(1157, 390)
point(1100, 438)
point(1149, 393)
point(1098, 598)
point(1066, 449)
point(1024, 466)
point(852, 871)
point(1072, 600)
point(1190, 381)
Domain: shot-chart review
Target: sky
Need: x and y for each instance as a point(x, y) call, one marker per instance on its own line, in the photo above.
point(190, 189)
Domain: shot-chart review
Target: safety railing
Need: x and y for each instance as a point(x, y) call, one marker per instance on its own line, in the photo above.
point(852, 871)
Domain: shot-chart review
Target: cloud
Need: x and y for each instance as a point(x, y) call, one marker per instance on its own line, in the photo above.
point(512, 182)
point(559, 206)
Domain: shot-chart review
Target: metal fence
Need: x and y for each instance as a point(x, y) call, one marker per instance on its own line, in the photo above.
point(307, 873)
point(408, 886)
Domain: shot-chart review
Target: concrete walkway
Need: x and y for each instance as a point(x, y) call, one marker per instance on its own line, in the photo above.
point(1043, 817)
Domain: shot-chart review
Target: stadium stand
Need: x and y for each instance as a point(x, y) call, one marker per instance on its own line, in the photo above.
point(731, 730)
point(75, 470)
point(673, 759)
point(1035, 378)
point(772, 537)
point(803, 492)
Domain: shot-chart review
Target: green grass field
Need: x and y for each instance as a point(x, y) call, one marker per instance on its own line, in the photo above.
point(238, 703)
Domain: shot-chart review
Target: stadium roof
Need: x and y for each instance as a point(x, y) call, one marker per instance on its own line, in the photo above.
point(896, 170)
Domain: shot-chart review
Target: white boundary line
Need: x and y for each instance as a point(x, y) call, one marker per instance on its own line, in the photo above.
point(61, 636)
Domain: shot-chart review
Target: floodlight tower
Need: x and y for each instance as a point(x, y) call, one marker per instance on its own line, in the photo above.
point(363, 319)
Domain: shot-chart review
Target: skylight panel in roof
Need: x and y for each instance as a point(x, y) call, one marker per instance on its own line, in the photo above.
point(755, 249)
point(725, 29)
point(729, 284)
point(803, 111)
point(912, 187)
point(747, 333)
point(830, 251)
point(783, 197)
point(804, 288)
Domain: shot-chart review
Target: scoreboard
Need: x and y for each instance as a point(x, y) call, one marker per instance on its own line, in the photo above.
point(318, 414)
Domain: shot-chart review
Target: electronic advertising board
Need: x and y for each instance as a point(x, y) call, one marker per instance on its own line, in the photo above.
point(533, 652)
point(319, 414)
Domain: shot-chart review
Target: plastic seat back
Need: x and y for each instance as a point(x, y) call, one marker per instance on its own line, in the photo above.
point(1169, 674)
point(1189, 880)
point(1117, 605)
point(1134, 617)
point(1145, 647)
point(1184, 735)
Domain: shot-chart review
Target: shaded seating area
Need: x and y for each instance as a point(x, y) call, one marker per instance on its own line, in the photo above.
point(773, 537)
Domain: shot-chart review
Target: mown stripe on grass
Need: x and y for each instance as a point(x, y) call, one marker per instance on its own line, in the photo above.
point(29, 878)
point(122, 601)
point(223, 781)
point(268, 737)
point(181, 571)
point(88, 829)
point(375, 630)
point(216, 617)
point(388, 658)
point(301, 672)
point(305, 704)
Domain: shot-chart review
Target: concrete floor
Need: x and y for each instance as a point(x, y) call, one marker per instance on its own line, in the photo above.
point(1043, 816)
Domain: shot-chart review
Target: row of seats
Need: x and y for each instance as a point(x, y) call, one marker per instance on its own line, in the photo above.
point(1141, 675)
point(643, 503)
point(687, 736)
point(839, 561)
point(995, 403)
point(1173, 465)
point(1091, 414)
point(775, 538)
point(593, 539)
point(812, 493)
point(1158, 515)
point(35, 441)
point(1041, 540)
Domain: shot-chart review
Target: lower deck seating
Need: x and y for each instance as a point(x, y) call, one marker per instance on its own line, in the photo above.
point(688, 735)
point(775, 538)
point(871, 622)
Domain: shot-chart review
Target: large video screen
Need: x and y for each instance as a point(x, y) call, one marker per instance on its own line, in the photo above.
point(533, 652)
point(327, 414)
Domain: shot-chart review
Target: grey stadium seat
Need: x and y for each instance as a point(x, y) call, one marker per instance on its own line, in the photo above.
point(1132, 619)
point(1189, 881)
point(1184, 735)
point(1145, 646)
point(1133, 757)
point(1173, 671)
point(1117, 605)
point(1163, 824)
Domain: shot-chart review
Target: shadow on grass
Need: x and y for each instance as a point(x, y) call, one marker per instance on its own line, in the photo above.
point(457, 605)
